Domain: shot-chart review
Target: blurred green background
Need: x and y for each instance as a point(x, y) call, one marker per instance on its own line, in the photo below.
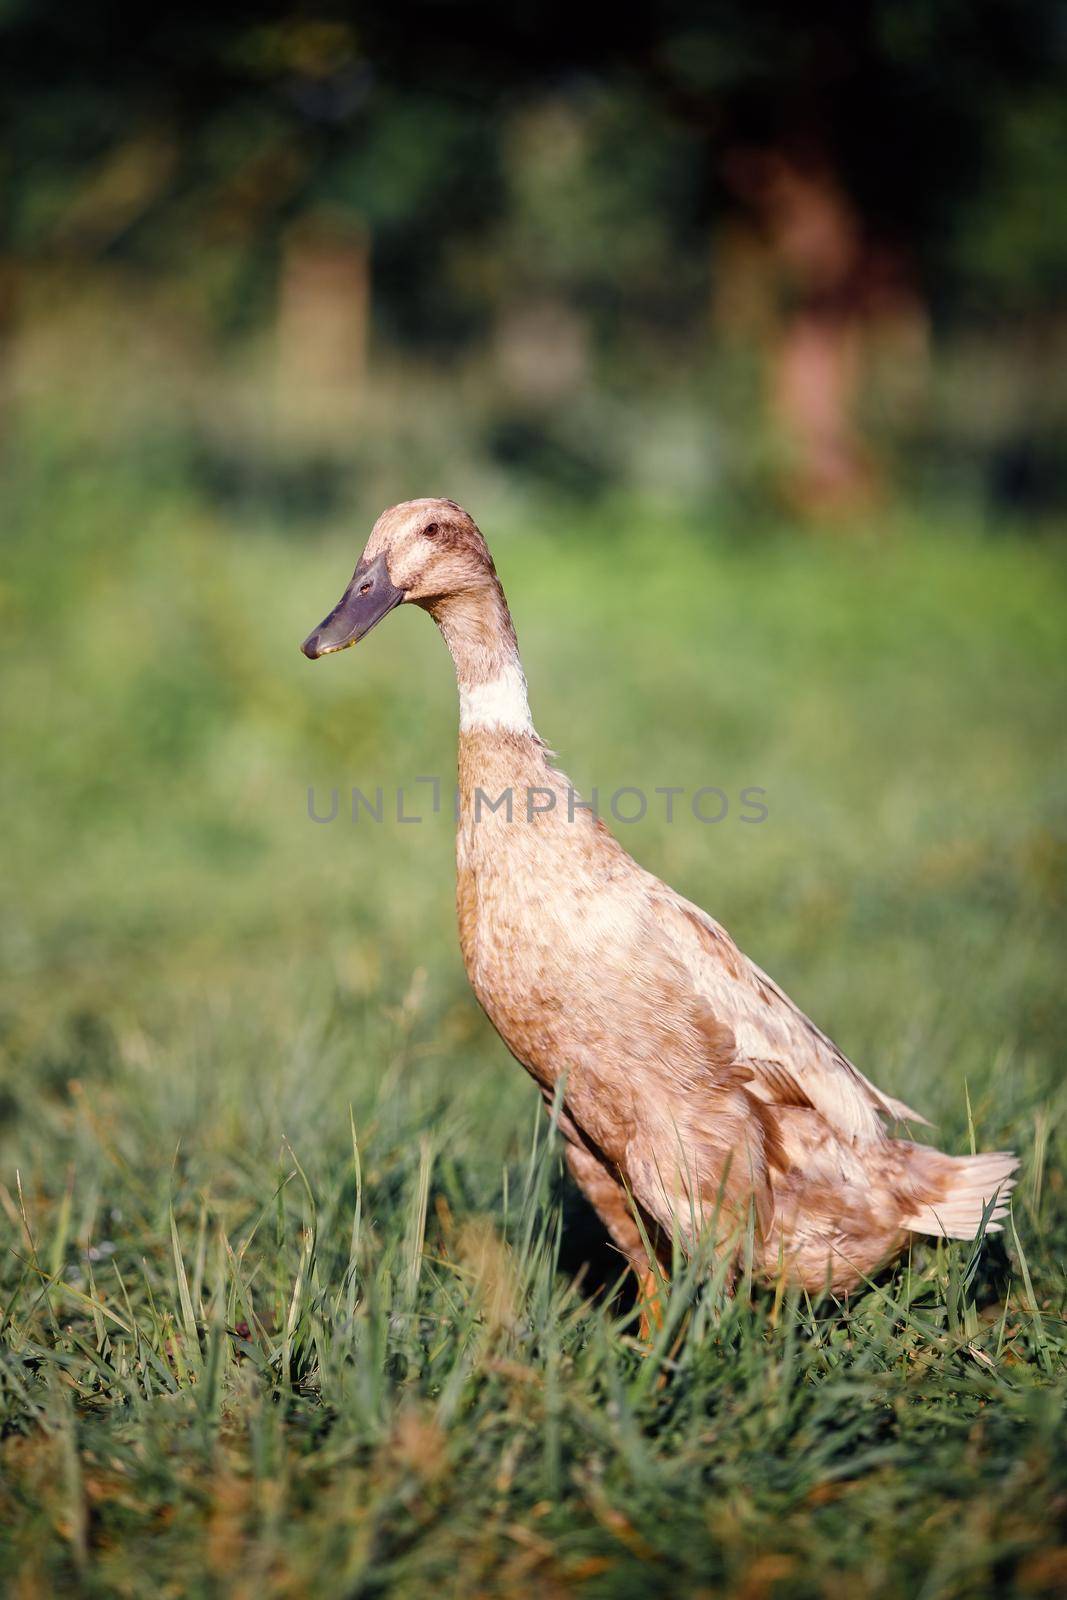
point(318, 255)
point(742, 337)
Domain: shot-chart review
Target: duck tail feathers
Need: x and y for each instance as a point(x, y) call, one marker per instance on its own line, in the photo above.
point(969, 1190)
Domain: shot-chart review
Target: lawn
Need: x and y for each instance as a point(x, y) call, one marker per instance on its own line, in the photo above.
point(294, 1297)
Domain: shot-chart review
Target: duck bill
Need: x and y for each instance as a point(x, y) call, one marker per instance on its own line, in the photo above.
point(369, 597)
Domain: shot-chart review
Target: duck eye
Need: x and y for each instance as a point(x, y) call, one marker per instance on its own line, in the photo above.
point(364, 588)
point(429, 530)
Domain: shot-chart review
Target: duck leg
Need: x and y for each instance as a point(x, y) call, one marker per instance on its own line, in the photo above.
point(615, 1208)
point(649, 1289)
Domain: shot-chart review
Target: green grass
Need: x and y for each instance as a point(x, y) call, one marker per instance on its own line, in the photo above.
point(294, 1298)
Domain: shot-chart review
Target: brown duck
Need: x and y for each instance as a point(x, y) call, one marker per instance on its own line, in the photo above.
point(694, 1093)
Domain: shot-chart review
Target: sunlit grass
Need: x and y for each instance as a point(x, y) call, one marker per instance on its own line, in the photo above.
point(294, 1296)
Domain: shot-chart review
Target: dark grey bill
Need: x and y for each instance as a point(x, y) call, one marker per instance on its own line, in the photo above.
point(366, 601)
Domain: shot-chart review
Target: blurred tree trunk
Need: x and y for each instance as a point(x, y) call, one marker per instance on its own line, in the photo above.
point(833, 294)
point(323, 320)
point(9, 276)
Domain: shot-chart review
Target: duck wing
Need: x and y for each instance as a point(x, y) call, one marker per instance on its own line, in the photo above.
point(791, 1060)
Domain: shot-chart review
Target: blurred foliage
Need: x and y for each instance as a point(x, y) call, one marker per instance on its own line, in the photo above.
point(249, 113)
point(569, 203)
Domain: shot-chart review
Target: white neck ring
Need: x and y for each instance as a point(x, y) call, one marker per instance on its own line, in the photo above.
point(501, 703)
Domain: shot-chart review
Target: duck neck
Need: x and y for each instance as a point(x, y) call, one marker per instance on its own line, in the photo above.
point(480, 635)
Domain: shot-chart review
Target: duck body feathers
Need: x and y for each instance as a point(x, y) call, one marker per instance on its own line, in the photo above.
point(693, 1087)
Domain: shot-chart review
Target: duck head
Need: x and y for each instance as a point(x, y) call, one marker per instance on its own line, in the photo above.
point(424, 551)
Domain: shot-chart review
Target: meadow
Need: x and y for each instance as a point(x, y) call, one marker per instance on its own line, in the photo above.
point(294, 1296)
